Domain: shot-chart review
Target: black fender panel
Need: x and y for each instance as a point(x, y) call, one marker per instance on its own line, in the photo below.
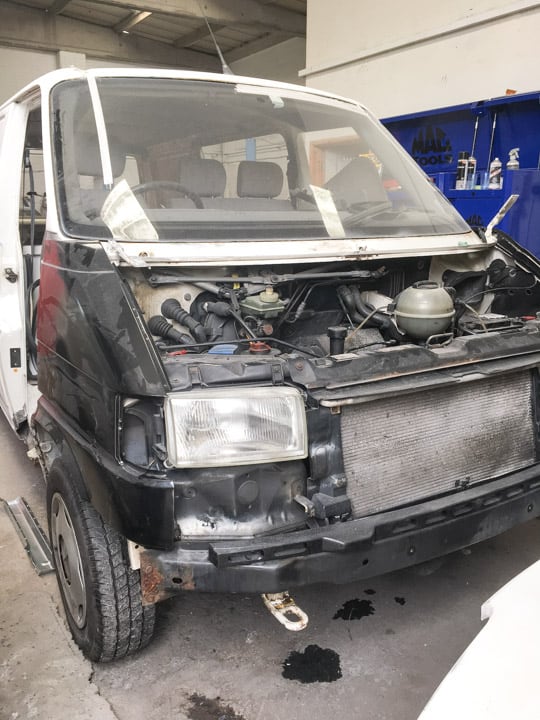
point(138, 506)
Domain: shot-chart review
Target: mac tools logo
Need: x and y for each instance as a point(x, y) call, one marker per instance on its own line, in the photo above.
point(432, 146)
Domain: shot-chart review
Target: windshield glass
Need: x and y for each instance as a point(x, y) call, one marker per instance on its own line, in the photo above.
point(200, 160)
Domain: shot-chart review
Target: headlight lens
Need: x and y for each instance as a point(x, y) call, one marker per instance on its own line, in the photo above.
point(237, 426)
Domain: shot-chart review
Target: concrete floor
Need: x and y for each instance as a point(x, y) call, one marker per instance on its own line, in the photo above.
point(222, 657)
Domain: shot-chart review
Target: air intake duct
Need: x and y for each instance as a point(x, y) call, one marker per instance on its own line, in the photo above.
point(160, 327)
point(172, 309)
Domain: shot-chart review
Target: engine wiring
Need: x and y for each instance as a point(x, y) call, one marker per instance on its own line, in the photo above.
point(498, 289)
point(243, 341)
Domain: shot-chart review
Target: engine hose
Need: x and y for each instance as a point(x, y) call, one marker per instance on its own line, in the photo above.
point(159, 326)
point(382, 321)
point(346, 296)
point(172, 309)
point(361, 313)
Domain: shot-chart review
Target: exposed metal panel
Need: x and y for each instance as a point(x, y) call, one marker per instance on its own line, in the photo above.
point(403, 449)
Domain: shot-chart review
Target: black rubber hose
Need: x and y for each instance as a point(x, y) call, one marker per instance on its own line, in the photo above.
point(223, 310)
point(358, 311)
point(346, 296)
point(159, 326)
point(172, 309)
point(382, 321)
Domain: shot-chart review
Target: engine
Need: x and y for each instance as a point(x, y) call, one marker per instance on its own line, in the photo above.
point(331, 310)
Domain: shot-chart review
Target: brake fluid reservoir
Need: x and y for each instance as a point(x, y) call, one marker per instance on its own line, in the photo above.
point(266, 304)
point(424, 309)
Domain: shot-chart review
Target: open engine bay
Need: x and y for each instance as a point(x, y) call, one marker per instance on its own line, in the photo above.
point(373, 348)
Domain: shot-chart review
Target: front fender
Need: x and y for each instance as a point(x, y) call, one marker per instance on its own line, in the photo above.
point(139, 506)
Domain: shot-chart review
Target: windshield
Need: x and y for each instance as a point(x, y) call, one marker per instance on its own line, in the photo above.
point(203, 160)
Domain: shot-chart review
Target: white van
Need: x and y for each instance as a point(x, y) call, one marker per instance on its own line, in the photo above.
point(252, 345)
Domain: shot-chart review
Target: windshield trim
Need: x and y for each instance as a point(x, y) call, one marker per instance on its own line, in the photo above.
point(220, 252)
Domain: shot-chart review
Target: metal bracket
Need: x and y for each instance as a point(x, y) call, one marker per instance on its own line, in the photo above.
point(278, 377)
point(195, 375)
point(285, 610)
point(500, 215)
point(134, 554)
point(11, 275)
point(305, 503)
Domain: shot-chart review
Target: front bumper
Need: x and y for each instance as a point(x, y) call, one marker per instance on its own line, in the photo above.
point(348, 551)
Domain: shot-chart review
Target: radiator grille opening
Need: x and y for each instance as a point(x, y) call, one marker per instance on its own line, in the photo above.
point(405, 449)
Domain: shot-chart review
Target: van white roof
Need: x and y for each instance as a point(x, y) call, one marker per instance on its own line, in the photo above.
point(49, 80)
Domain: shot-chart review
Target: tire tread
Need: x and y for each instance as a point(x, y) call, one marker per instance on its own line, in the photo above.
point(123, 624)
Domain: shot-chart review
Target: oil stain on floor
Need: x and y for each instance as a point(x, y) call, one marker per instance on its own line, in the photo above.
point(315, 664)
point(203, 708)
point(355, 610)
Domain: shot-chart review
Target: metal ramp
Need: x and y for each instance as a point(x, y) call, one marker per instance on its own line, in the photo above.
point(33, 538)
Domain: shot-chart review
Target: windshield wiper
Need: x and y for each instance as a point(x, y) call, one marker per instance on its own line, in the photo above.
point(374, 209)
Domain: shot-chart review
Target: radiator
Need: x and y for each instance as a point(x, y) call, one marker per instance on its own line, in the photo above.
point(404, 449)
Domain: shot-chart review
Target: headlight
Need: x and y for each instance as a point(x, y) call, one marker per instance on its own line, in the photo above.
point(236, 426)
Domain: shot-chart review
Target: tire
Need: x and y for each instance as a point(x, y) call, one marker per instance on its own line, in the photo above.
point(100, 592)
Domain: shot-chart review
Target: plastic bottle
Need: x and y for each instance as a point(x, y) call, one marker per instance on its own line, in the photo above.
point(461, 174)
point(471, 173)
point(495, 174)
point(513, 162)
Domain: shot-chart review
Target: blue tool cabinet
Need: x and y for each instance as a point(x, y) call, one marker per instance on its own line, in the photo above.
point(435, 137)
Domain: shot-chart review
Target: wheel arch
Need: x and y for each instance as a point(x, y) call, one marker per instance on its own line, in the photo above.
point(139, 509)
point(56, 446)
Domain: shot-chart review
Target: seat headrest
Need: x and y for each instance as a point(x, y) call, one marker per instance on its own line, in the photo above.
point(259, 179)
point(205, 177)
point(88, 159)
point(358, 181)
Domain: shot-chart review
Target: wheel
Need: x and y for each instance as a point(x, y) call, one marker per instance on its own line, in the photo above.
point(100, 592)
point(168, 185)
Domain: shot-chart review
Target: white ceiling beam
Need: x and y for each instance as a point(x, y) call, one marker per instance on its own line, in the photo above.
point(223, 12)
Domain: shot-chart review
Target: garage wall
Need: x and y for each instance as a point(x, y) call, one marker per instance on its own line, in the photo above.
point(282, 62)
point(401, 57)
point(20, 67)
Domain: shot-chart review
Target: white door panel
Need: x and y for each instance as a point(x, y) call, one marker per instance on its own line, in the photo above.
point(13, 374)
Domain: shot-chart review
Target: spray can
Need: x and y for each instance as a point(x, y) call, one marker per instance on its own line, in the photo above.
point(495, 174)
point(513, 162)
point(461, 174)
point(471, 173)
